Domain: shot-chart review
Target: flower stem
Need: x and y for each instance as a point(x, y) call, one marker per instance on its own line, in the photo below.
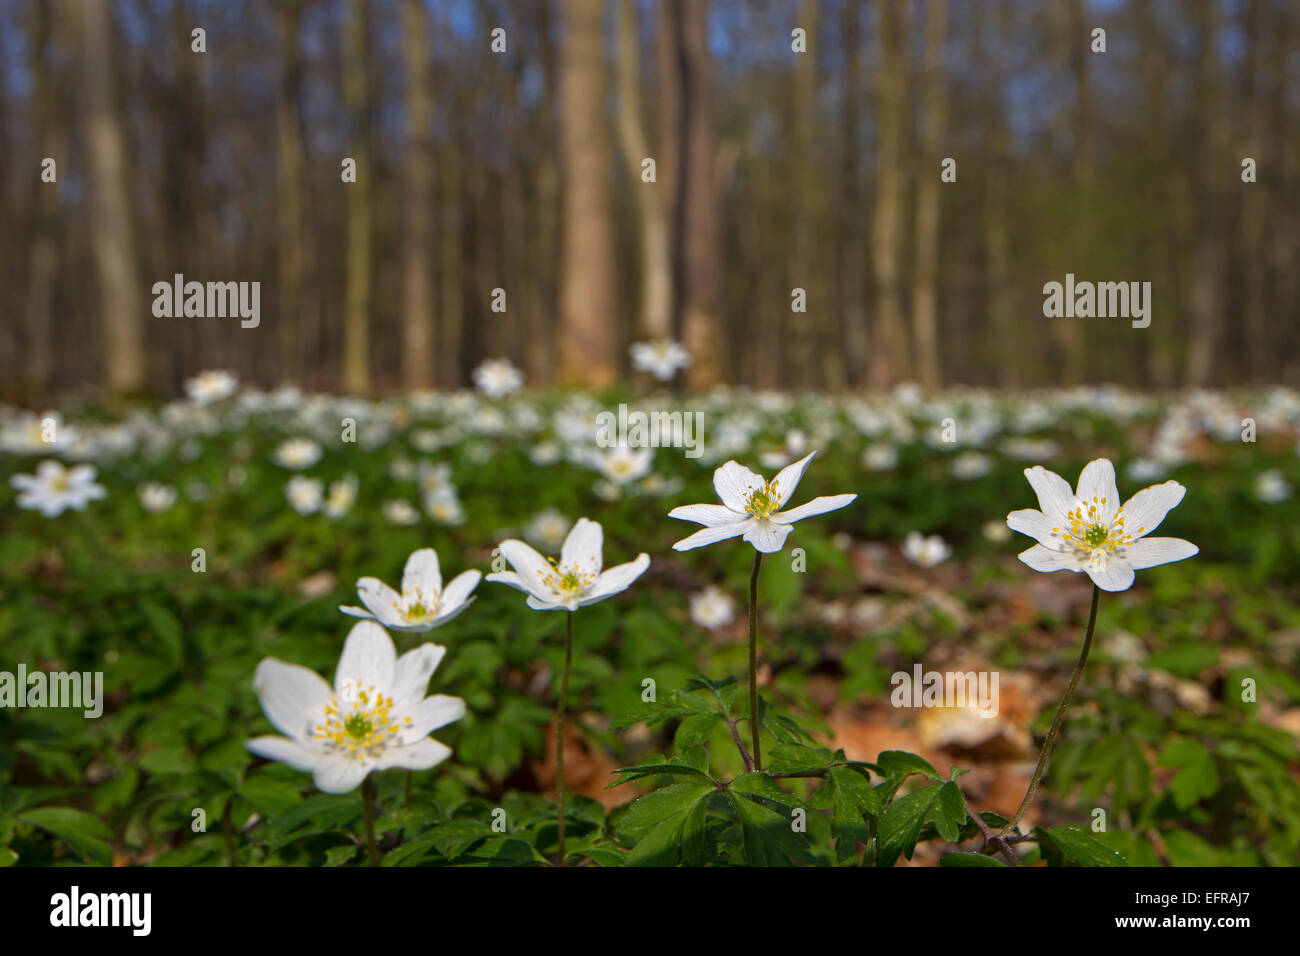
point(753, 660)
point(368, 806)
point(559, 731)
point(1050, 742)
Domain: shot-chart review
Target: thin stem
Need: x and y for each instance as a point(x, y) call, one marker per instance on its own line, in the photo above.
point(753, 660)
point(1050, 742)
point(368, 805)
point(559, 731)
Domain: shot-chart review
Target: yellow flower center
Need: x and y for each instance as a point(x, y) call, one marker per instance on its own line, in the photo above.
point(1091, 535)
point(568, 582)
point(361, 725)
point(762, 502)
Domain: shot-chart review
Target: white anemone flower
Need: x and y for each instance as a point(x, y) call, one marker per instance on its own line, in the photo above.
point(925, 551)
point(55, 489)
point(498, 377)
point(156, 497)
point(576, 580)
point(712, 608)
point(297, 454)
point(374, 717)
point(751, 508)
point(211, 386)
point(1087, 529)
point(662, 359)
point(306, 495)
point(423, 604)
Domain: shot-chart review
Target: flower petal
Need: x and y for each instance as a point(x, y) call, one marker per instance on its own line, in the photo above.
point(1055, 496)
point(411, 674)
point(1117, 575)
point(530, 567)
point(342, 774)
point(1148, 552)
point(369, 659)
point(356, 612)
point(282, 750)
point(420, 755)
point(293, 697)
point(767, 536)
point(711, 516)
point(1146, 509)
point(1048, 560)
point(788, 478)
point(1097, 480)
point(583, 546)
point(617, 579)
point(432, 713)
point(815, 507)
point(733, 482)
point(422, 573)
point(713, 535)
point(380, 600)
point(1034, 523)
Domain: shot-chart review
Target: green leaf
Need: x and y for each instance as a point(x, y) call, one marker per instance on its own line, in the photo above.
point(949, 812)
point(1197, 778)
point(679, 812)
point(901, 824)
point(1074, 845)
point(82, 832)
point(628, 774)
point(859, 788)
point(768, 837)
point(695, 730)
point(900, 763)
point(798, 758)
point(968, 859)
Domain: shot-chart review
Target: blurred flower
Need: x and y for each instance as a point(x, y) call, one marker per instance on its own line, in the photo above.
point(1271, 487)
point(38, 434)
point(712, 608)
point(1087, 530)
point(623, 465)
point(443, 506)
point(576, 580)
point(306, 495)
point(423, 604)
point(374, 717)
point(925, 551)
point(661, 359)
point(547, 529)
point(880, 458)
point(970, 465)
point(342, 496)
point(54, 488)
point(211, 386)
point(400, 512)
point(751, 508)
point(155, 497)
point(497, 377)
point(297, 454)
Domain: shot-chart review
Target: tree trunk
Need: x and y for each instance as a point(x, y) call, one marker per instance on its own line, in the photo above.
point(925, 293)
point(586, 293)
point(111, 232)
point(356, 316)
point(655, 314)
point(290, 213)
point(889, 361)
point(417, 292)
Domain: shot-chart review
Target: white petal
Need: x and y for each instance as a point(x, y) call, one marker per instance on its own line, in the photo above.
point(733, 482)
point(292, 697)
point(369, 659)
point(1097, 480)
point(711, 516)
point(767, 536)
point(356, 612)
point(282, 750)
point(420, 755)
point(1117, 575)
point(530, 566)
point(422, 573)
point(583, 546)
point(617, 579)
point(1033, 523)
point(1055, 496)
point(341, 774)
point(788, 478)
point(459, 590)
point(1146, 509)
point(508, 578)
point(549, 604)
point(1148, 552)
point(817, 506)
point(411, 674)
point(432, 713)
point(380, 600)
point(713, 535)
point(1045, 559)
